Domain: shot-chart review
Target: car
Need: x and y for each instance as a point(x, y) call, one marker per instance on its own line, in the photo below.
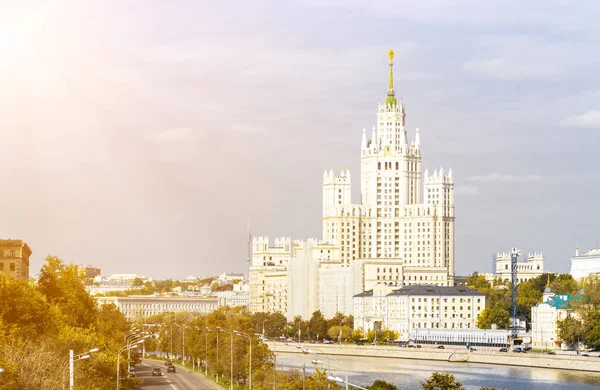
point(503, 350)
point(360, 343)
point(168, 362)
point(551, 353)
point(585, 355)
point(132, 374)
point(327, 342)
point(472, 349)
point(527, 349)
point(156, 372)
point(440, 347)
point(518, 350)
point(171, 368)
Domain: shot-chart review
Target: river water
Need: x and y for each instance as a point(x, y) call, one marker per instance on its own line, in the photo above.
point(408, 374)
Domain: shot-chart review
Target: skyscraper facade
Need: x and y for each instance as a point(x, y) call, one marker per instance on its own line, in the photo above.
point(400, 233)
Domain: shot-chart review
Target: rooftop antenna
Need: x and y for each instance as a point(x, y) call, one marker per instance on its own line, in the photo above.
point(248, 241)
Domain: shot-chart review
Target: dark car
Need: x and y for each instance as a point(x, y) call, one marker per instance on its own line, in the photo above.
point(585, 355)
point(518, 350)
point(551, 353)
point(440, 347)
point(360, 343)
point(503, 350)
point(527, 349)
point(171, 368)
point(168, 362)
point(156, 372)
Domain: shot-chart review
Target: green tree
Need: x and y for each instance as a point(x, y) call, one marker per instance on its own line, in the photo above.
point(493, 315)
point(570, 330)
point(137, 282)
point(478, 282)
point(317, 325)
point(63, 286)
point(382, 385)
point(591, 329)
point(442, 381)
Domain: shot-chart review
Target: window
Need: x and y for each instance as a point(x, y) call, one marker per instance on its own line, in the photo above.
point(12, 253)
point(12, 267)
point(1, 266)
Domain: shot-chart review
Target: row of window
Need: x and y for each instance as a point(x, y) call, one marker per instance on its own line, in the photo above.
point(12, 267)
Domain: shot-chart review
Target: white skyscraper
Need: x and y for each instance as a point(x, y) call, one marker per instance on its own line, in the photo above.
point(397, 235)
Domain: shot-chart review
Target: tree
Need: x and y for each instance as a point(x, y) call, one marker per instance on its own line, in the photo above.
point(382, 385)
point(478, 282)
point(591, 330)
point(493, 315)
point(63, 286)
point(569, 330)
point(317, 325)
point(137, 282)
point(442, 381)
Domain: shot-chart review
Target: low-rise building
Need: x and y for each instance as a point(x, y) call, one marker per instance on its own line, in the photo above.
point(417, 307)
point(585, 264)
point(92, 272)
point(471, 337)
point(544, 317)
point(14, 258)
point(140, 306)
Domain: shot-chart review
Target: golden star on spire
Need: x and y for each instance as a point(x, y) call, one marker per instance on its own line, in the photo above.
point(391, 54)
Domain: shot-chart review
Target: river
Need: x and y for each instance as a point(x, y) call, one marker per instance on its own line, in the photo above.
point(408, 374)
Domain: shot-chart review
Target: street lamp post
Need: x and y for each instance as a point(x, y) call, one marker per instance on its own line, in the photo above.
point(306, 351)
point(250, 359)
point(70, 361)
point(206, 351)
point(183, 344)
point(230, 357)
point(128, 346)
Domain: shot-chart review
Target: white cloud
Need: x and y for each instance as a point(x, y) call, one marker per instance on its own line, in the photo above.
point(247, 128)
point(174, 134)
point(502, 69)
point(507, 178)
point(589, 120)
point(467, 190)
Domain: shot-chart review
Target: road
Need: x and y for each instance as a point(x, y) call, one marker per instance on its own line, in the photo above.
point(181, 380)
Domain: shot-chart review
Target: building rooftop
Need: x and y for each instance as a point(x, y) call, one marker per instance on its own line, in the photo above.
point(435, 290)
point(368, 293)
point(427, 290)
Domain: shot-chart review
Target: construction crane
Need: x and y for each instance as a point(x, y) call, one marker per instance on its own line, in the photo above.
point(514, 255)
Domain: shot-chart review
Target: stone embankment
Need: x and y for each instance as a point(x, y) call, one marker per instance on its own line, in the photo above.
point(564, 362)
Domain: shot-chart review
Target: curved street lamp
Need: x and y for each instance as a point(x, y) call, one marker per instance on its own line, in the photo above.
point(249, 360)
point(316, 362)
point(127, 347)
point(231, 355)
point(69, 362)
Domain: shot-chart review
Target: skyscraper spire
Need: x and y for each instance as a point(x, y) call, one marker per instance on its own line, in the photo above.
point(391, 94)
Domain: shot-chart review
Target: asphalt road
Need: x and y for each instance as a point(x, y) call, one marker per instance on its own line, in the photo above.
point(181, 380)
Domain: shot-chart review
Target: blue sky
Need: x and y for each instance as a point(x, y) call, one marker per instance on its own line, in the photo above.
point(134, 133)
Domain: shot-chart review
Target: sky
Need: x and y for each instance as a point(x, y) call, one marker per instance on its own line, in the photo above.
point(134, 134)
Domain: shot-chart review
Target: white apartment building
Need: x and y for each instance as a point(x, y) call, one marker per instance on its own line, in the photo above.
point(417, 307)
point(140, 306)
point(544, 331)
point(531, 267)
point(401, 232)
point(585, 264)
